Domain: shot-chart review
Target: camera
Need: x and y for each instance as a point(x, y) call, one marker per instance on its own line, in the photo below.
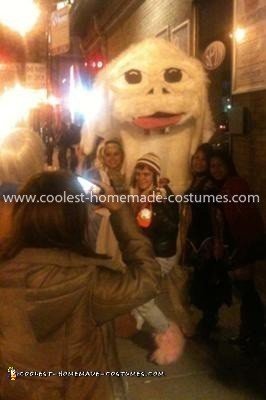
point(89, 187)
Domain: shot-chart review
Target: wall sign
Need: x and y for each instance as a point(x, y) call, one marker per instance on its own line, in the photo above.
point(35, 75)
point(214, 55)
point(60, 31)
point(249, 46)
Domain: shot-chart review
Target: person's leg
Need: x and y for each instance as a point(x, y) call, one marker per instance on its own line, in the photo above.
point(167, 264)
point(50, 150)
point(151, 313)
point(177, 287)
point(251, 310)
point(62, 158)
point(208, 322)
point(168, 338)
point(73, 159)
point(208, 295)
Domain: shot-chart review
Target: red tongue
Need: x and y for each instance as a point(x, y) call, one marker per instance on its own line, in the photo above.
point(153, 122)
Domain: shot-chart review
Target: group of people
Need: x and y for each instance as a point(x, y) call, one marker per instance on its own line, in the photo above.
point(65, 138)
point(60, 293)
point(219, 240)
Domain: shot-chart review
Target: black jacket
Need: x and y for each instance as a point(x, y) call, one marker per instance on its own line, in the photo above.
point(163, 229)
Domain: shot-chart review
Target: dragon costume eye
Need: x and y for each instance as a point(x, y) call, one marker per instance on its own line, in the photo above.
point(133, 76)
point(172, 75)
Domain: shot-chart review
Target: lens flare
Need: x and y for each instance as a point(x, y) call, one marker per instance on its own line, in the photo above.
point(19, 15)
point(83, 101)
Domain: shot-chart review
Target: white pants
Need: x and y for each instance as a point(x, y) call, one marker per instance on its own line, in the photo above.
point(149, 311)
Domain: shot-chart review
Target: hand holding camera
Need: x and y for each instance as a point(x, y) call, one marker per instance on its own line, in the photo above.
point(107, 197)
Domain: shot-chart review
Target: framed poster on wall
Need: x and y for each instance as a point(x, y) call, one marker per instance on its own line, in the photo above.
point(180, 36)
point(164, 33)
point(249, 46)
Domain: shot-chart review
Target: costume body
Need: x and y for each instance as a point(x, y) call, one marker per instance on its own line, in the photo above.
point(136, 143)
point(154, 97)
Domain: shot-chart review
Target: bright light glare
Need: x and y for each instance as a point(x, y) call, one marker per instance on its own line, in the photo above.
point(53, 101)
point(19, 15)
point(89, 103)
point(239, 34)
point(15, 105)
point(88, 186)
point(62, 4)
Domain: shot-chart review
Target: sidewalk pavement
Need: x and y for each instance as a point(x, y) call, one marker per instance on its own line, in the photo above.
point(207, 371)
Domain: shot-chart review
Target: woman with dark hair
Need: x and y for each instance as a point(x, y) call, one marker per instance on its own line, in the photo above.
point(244, 233)
point(57, 297)
point(202, 245)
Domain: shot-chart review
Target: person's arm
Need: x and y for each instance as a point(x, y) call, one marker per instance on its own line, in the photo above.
point(117, 293)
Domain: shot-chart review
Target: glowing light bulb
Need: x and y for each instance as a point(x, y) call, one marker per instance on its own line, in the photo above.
point(239, 35)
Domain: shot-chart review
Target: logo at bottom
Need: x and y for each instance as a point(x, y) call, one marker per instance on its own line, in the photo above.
point(12, 373)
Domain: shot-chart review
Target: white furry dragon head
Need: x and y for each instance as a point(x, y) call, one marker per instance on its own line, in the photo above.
point(153, 86)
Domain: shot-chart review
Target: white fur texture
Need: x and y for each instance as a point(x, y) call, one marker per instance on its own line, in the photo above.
point(124, 102)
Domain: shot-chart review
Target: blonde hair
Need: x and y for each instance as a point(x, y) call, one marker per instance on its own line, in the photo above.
point(21, 156)
point(99, 162)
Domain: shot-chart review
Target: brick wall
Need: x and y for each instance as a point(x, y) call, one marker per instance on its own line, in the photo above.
point(144, 19)
point(147, 20)
point(249, 150)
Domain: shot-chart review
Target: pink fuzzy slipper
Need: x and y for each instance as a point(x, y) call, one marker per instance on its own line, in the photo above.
point(169, 345)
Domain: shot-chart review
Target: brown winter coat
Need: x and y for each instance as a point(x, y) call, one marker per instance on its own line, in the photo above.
point(5, 219)
point(55, 308)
